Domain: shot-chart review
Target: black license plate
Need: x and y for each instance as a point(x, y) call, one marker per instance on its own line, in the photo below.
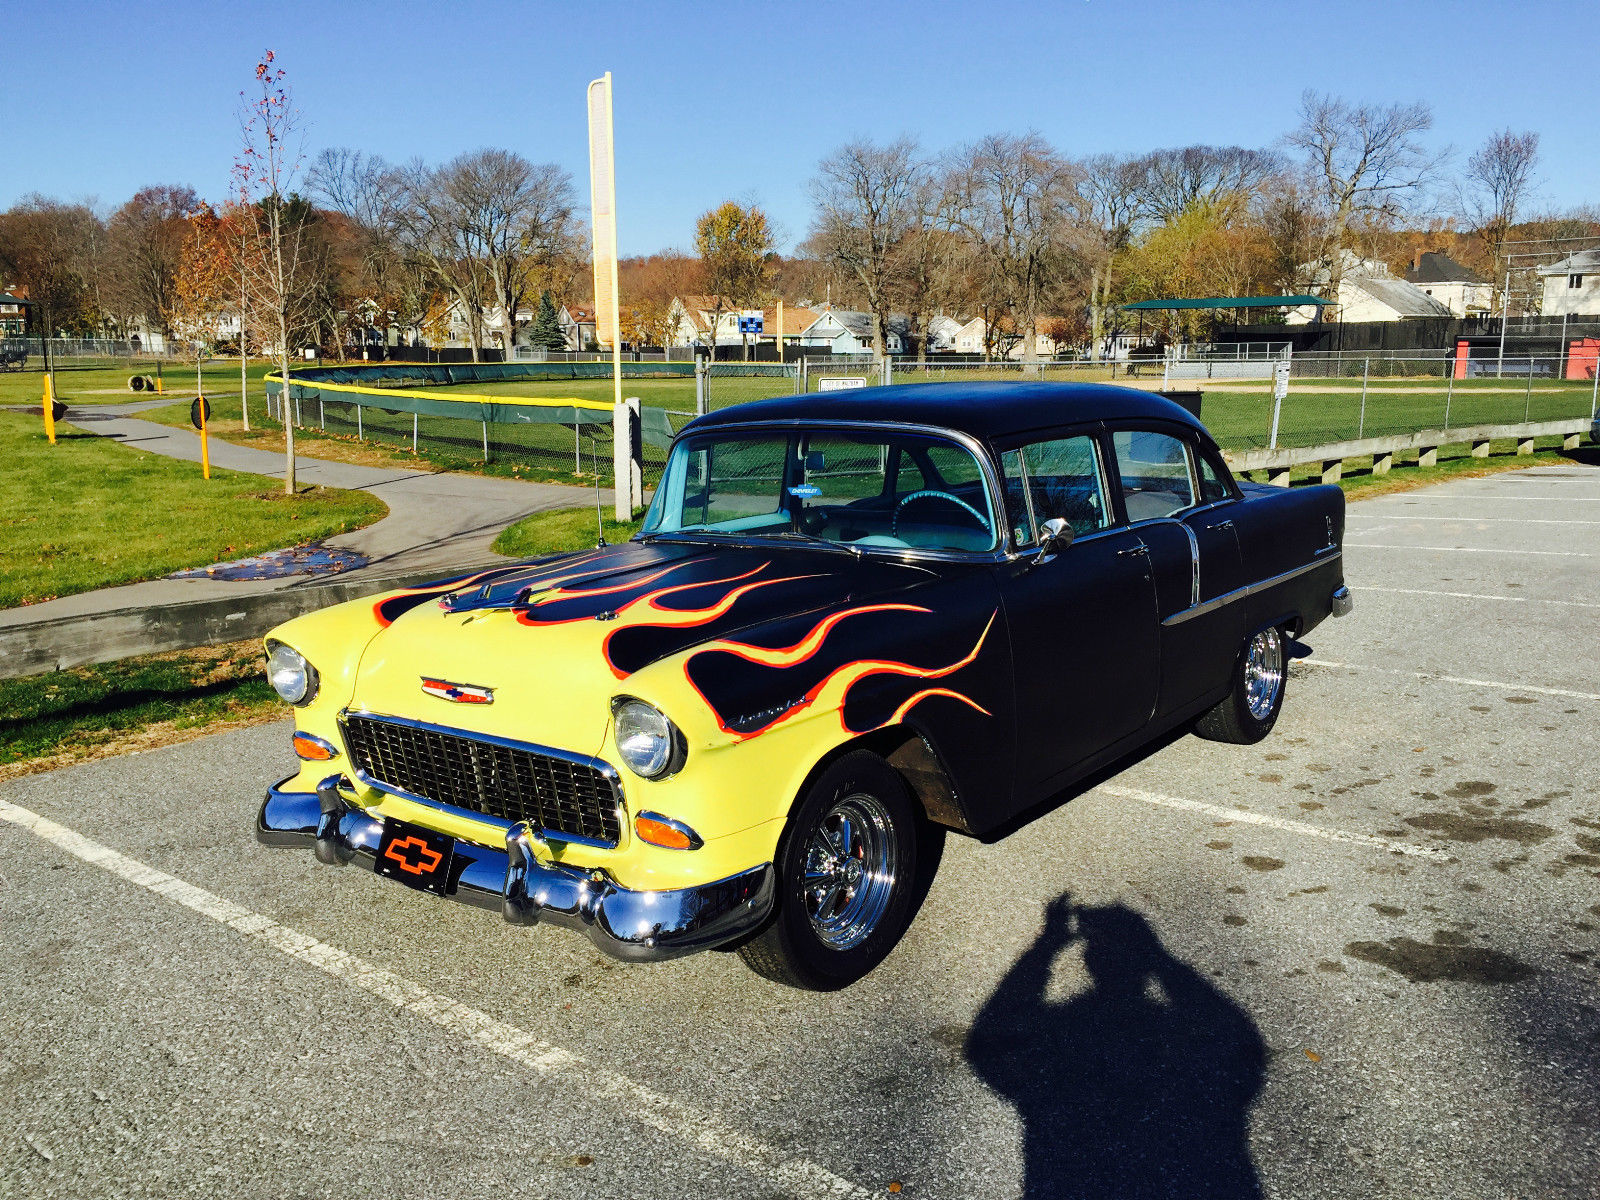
point(417, 857)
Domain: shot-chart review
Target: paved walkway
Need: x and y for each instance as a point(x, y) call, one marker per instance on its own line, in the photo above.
point(437, 520)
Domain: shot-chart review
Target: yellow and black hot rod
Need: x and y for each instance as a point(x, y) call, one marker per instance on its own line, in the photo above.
point(851, 622)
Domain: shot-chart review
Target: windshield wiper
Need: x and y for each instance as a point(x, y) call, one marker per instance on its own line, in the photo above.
point(796, 535)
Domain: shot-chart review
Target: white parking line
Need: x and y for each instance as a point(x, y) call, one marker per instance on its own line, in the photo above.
point(1372, 516)
point(1245, 816)
point(1486, 683)
point(1471, 550)
point(1477, 596)
point(704, 1131)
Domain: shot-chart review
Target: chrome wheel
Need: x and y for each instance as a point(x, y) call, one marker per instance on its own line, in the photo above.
point(1263, 673)
point(850, 869)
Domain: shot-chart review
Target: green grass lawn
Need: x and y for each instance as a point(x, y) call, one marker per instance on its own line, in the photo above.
point(90, 513)
point(49, 720)
point(108, 384)
point(562, 530)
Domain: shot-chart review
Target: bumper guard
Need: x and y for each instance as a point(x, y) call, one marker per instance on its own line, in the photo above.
point(527, 889)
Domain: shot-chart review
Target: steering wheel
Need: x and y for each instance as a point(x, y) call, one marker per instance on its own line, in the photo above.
point(935, 494)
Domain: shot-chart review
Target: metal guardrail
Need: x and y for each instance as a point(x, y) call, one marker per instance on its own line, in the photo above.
point(1330, 457)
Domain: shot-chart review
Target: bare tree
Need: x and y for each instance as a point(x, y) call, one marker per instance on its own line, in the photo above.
point(1169, 181)
point(490, 227)
point(276, 240)
point(1112, 185)
point(870, 201)
point(1018, 200)
point(47, 246)
point(146, 238)
point(1498, 178)
point(1369, 163)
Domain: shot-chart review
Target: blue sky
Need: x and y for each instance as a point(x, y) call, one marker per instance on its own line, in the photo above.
point(720, 100)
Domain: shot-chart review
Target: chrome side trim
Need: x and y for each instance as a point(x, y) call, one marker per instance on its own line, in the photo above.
point(631, 925)
point(612, 775)
point(1249, 589)
point(1194, 564)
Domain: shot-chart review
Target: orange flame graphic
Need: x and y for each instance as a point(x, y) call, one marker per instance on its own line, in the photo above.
point(647, 611)
point(830, 693)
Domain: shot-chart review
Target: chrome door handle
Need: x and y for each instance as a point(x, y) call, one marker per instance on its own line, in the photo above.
point(1223, 525)
point(1134, 552)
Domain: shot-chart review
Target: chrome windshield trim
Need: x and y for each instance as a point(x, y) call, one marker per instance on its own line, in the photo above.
point(1249, 589)
point(611, 774)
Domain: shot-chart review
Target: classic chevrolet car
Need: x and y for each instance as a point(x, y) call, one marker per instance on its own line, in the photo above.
point(851, 622)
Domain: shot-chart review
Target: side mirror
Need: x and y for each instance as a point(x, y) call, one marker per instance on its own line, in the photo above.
point(1055, 535)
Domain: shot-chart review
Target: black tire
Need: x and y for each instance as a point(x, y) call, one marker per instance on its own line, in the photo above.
point(1245, 715)
point(817, 953)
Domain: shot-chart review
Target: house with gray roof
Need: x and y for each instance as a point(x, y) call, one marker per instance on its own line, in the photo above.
point(847, 332)
point(1460, 289)
point(1368, 291)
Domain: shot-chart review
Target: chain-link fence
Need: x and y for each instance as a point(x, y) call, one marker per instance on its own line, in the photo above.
point(1331, 398)
point(407, 413)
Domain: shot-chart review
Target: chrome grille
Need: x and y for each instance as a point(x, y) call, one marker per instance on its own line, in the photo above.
point(563, 796)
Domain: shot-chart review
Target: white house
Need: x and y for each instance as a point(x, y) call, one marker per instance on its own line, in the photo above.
point(1368, 291)
point(943, 333)
point(1460, 289)
point(847, 332)
point(1571, 286)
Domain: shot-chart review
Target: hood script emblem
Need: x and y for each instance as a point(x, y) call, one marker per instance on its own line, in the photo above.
point(461, 693)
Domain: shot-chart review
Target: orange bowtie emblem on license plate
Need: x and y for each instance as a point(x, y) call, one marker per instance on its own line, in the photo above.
point(414, 856)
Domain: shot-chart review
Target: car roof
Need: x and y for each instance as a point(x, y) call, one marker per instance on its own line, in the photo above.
point(987, 411)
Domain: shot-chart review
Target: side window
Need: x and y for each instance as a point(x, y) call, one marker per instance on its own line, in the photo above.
point(1155, 473)
point(1064, 480)
point(1057, 478)
point(1212, 485)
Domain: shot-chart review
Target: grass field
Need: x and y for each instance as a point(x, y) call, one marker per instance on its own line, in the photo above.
point(47, 721)
point(89, 513)
point(109, 384)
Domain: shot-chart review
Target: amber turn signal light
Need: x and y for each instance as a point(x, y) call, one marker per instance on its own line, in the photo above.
point(665, 832)
point(312, 748)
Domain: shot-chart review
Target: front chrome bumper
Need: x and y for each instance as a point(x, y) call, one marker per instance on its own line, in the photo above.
point(526, 890)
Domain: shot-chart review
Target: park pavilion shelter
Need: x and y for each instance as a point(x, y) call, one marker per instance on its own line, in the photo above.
point(1225, 303)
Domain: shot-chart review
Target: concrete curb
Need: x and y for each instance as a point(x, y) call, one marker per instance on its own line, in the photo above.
point(77, 641)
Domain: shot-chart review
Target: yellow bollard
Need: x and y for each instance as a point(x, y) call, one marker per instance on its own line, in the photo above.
point(205, 449)
point(49, 407)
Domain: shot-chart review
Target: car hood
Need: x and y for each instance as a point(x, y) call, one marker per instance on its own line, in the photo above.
point(535, 653)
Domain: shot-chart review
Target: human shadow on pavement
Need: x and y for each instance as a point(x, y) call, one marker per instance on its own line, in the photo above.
point(1139, 1086)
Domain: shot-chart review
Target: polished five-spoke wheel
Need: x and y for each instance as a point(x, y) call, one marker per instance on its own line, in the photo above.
point(850, 871)
point(1263, 672)
point(1251, 707)
point(847, 876)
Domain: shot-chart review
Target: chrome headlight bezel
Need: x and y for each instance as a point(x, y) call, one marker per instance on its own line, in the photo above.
point(291, 674)
point(648, 743)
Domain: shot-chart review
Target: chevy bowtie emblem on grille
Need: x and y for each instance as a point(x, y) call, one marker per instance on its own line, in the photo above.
point(461, 693)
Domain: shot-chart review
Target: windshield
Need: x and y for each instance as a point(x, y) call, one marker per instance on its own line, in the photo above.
point(856, 489)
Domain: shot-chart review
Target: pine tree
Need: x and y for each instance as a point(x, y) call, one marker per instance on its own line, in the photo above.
point(546, 332)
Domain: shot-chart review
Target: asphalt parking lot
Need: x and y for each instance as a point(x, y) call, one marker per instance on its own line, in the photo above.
point(1359, 959)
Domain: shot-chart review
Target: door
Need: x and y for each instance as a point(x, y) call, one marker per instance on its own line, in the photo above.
point(1082, 621)
point(1181, 508)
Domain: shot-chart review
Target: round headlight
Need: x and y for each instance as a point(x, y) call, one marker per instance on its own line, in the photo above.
point(648, 742)
point(291, 676)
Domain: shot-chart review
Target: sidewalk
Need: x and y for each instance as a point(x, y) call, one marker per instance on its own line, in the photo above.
point(438, 522)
